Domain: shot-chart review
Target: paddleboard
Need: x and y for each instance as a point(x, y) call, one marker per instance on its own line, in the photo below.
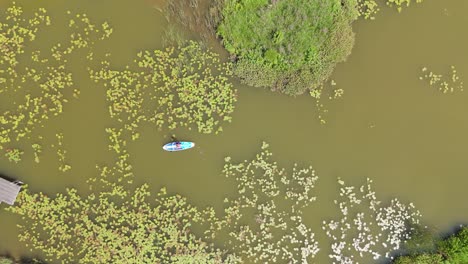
point(178, 145)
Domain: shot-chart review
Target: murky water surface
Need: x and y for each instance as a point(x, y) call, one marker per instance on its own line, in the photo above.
point(389, 126)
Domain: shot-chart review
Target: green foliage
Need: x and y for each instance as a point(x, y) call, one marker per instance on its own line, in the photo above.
point(425, 258)
point(451, 250)
point(455, 247)
point(5, 260)
point(290, 45)
point(173, 88)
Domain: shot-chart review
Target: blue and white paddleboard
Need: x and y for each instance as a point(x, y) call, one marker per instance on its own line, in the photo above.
point(178, 145)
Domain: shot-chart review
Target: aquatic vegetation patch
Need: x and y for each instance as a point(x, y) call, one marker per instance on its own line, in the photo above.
point(181, 87)
point(124, 94)
point(369, 8)
point(319, 95)
point(14, 155)
point(122, 168)
point(264, 221)
point(291, 46)
point(117, 223)
point(37, 148)
point(61, 153)
point(444, 83)
point(39, 84)
point(367, 227)
point(399, 4)
point(135, 228)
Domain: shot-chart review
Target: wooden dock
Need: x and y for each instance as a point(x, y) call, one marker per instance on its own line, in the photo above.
point(9, 191)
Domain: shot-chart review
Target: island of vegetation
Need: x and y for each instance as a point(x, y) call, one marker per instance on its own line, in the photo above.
point(290, 45)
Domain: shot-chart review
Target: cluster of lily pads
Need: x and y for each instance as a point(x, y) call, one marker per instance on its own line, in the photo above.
point(106, 228)
point(184, 87)
point(399, 4)
point(14, 154)
point(366, 227)
point(40, 83)
point(37, 148)
point(443, 83)
point(119, 222)
point(61, 152)
point(264, 221)
point(369, 8)
point(319, 95)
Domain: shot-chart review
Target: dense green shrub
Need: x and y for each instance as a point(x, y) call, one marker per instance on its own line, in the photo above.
point(452, 250)
point(5, 260)
point(289, 45)
point(424, 258)
point(455, 248)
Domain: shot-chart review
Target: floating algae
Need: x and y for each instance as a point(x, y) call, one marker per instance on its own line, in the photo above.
point(46, 70)
point(366, 227)
point(443, 83)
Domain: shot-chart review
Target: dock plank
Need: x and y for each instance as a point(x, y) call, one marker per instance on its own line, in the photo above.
point(8, 191)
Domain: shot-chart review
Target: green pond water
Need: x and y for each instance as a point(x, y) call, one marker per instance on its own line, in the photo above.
point(389, 126)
